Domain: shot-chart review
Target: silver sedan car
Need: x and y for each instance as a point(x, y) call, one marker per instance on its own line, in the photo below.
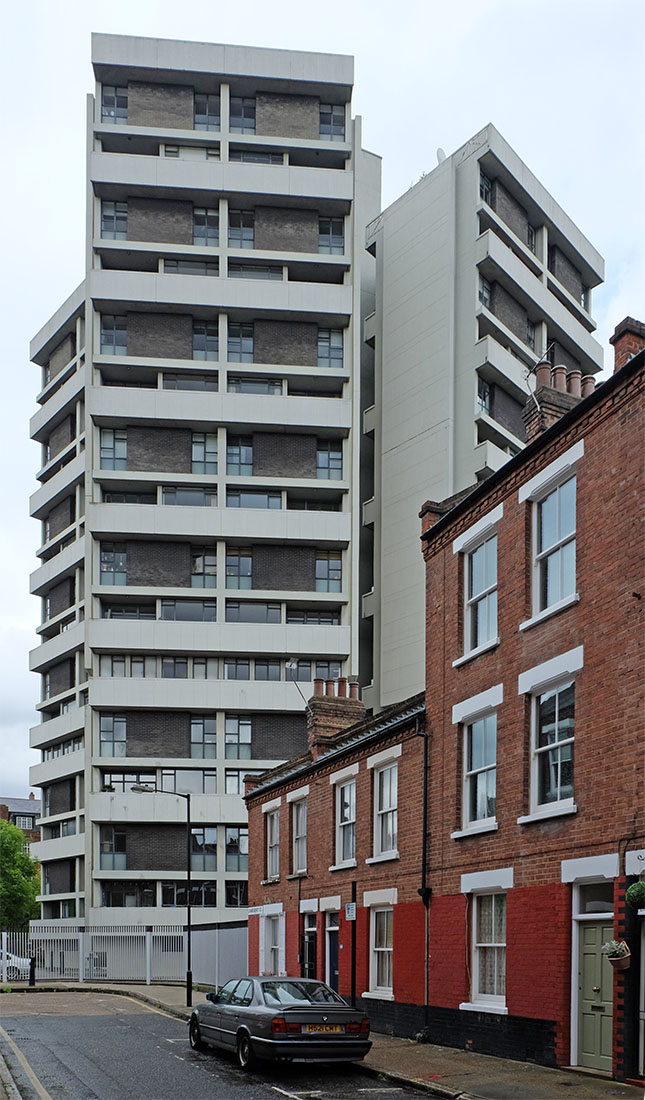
point(280, 1018)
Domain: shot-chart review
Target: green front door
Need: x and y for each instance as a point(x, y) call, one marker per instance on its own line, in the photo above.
point(595, 997)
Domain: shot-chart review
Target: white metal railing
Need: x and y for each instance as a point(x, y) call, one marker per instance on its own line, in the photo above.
point(91, 954)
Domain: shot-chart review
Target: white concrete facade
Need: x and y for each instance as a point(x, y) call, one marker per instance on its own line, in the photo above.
point(480, 226)
point(105, 648)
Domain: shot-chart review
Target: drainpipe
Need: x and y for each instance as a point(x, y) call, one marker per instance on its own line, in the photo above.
point(425, 891)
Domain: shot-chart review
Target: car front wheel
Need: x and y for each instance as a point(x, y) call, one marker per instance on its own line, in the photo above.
point(194, 1035)
point(245, 1056)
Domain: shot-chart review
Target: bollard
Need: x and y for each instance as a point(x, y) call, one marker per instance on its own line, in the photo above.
point(32, 972)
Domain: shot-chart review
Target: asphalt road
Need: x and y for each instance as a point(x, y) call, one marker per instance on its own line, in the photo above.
point(88, 1046)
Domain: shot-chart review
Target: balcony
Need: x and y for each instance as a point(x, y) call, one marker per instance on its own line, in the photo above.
point(206, 695)
point(55, 648)
point(116, 173)
point(57, 487)
point(269, 639)
point(62, 565)
point(63, 847)
point(195, 407)
point(48, 771)
point(62, 399)
point(118, 291)
point(323, 529)
point(499, 366)
point(497, 263)
point(130, 808)
point(63, 725)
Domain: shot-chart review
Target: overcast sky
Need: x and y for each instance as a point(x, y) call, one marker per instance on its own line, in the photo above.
point(561, 79)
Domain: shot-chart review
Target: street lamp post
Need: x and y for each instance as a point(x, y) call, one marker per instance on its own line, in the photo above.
point(140, 788)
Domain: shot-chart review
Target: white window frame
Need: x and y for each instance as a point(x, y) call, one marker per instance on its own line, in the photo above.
point(380, 811)
point(549, 676)
point(536, 491)
point(560, 804)
point(385, 992)
point(271, 810)
point(476, 824)
point(479, 1001)
point(341, 779)
point(467, 544)
point(345, 826)
point(299, 836)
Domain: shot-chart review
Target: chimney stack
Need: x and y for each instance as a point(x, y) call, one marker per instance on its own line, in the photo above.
point(331, 710)
point(557, 390)
point(628, 339)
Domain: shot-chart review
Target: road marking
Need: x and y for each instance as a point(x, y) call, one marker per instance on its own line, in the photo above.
point(391, 1088)
point(40, 1089)
point(296, 1095)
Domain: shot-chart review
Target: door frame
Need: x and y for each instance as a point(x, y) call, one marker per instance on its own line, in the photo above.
point(577, 919)
point(331, 930)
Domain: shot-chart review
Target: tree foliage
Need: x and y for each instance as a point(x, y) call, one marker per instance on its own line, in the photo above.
point(19, 879)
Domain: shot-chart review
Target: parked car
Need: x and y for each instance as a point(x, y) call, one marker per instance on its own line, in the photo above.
point(280, 1018)
point(17, 966)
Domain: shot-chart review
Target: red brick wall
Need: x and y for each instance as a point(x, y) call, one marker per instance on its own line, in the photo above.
point(609, 759)
point(607, 621)
point(404, 874)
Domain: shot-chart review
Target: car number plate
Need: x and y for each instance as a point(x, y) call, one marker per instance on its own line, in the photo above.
point(322, 1027)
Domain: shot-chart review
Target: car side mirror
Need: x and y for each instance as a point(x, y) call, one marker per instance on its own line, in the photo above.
point(212, 997)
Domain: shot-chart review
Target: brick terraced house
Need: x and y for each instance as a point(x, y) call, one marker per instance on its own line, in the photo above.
point(535, 716)
point(336, 860)
point(531, 820)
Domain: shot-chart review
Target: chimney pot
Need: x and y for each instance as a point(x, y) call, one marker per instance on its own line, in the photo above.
point(318, 687)
point(342, 687)
point(330, 687)
point(573, 382)
point(559, 376)
point(353, 689)
point(588, 385)
point(543, 374)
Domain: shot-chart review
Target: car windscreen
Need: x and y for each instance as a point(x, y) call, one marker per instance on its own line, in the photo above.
point(299, 993)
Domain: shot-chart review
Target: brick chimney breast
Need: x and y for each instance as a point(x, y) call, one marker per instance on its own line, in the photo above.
point(628, 339)
point(328, 715)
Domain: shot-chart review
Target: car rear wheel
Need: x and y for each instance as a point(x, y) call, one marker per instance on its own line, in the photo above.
point(245, 1056)
point(194, 1035)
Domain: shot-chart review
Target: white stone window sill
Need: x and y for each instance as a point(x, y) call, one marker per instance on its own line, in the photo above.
point(561, 605)
point(547, 812)
point(375, 995)
point(475, 830)
point(269, 881)
point(343, 866)
point(470, 656)
point(383, 857)
point(480, 1006)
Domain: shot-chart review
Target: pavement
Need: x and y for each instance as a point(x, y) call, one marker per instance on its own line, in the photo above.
point(446, 1072)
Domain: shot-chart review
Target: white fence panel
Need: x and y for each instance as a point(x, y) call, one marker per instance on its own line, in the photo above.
point(167, 954)
point(219, 954)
